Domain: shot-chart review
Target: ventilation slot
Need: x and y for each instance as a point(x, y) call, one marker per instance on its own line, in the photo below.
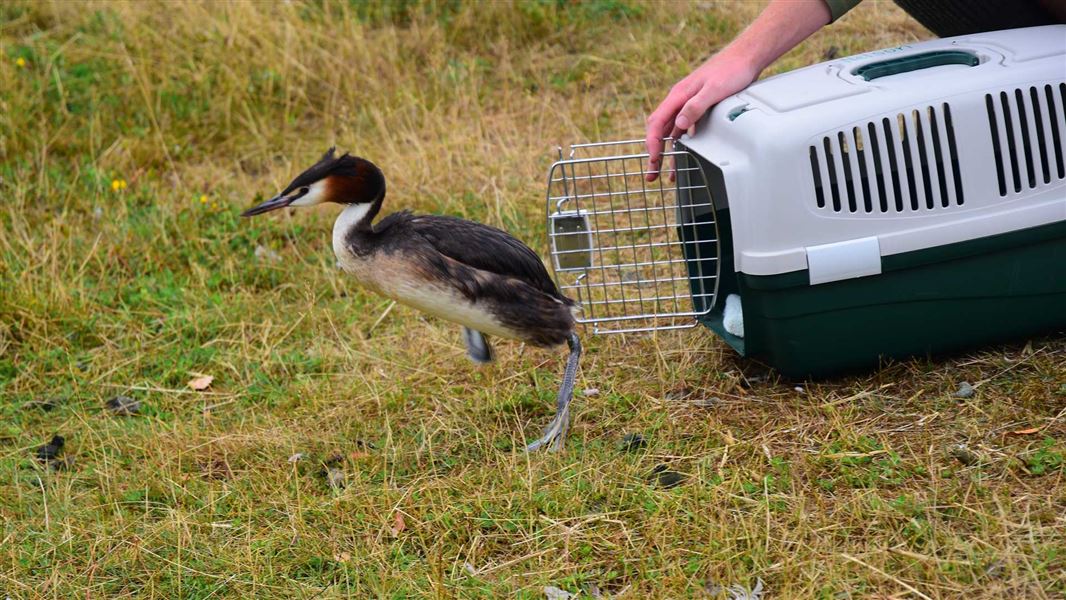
point(904, 162)
point(1027, 126)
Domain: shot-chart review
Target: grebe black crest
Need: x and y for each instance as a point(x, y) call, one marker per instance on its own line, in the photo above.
point(472, 274)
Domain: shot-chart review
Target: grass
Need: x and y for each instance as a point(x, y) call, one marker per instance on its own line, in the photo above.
point(845, 488)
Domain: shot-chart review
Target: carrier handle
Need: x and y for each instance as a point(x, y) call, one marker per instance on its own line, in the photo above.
point(905, 64)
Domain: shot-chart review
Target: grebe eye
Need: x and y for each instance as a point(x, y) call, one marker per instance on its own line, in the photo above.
point(304, 190)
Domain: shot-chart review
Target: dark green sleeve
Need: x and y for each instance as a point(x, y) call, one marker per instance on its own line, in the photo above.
point(838, 7)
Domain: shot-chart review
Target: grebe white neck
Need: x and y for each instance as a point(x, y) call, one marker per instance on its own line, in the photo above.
point(349, 219)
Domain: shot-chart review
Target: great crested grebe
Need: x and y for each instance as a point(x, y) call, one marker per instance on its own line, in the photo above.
point(475, 275)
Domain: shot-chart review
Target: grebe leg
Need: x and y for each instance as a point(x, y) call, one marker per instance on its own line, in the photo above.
point(477, 346)
point(555, 432)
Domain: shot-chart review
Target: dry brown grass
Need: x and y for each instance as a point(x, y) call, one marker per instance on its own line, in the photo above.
point(849, 488)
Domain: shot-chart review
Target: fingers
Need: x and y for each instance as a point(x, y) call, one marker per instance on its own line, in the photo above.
point(668, 118)
point(697, 106)
point(677, 113)
point(654, 143)
point(691, 98)
point(659, 123)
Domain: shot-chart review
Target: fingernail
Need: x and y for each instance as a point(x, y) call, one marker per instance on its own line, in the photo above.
point(682, 122)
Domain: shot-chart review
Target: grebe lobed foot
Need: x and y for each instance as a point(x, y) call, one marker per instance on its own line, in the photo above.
point(554, 437)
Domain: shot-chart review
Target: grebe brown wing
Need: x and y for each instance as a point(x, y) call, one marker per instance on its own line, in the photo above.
point(485, 248)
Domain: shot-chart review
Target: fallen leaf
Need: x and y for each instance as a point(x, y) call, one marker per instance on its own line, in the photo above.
point(398, 524)
point(359, 454)
point(297, 457)
point(1026, 431)
point(342, 557)
point(201, 383)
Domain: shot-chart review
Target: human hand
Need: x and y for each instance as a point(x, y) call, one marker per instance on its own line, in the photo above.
point(723, 75)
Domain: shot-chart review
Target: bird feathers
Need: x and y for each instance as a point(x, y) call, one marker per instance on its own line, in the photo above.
point(480, 247)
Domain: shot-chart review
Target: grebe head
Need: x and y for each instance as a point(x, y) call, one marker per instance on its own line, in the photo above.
point(344, 179)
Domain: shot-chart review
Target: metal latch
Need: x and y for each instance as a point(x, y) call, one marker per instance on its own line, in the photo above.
point(571, 239)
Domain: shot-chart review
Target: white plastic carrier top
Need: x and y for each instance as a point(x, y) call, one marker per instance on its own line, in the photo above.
point(833, 166)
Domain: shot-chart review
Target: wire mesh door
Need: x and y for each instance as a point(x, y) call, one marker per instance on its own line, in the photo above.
point(637, 256)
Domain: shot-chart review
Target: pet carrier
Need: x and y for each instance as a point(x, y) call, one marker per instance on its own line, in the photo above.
point(896, 203)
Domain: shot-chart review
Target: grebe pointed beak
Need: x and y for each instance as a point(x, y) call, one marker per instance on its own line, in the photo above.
point(274, 203)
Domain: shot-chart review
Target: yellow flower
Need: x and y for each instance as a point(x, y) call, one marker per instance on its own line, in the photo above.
point(214, 205)
point(118, 185)
point(21, 62)
point(203, 198)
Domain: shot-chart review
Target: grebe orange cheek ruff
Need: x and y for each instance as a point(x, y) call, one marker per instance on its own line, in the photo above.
point(471, 274)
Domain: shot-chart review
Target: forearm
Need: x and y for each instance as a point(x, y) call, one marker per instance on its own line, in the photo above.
point(781, 26)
